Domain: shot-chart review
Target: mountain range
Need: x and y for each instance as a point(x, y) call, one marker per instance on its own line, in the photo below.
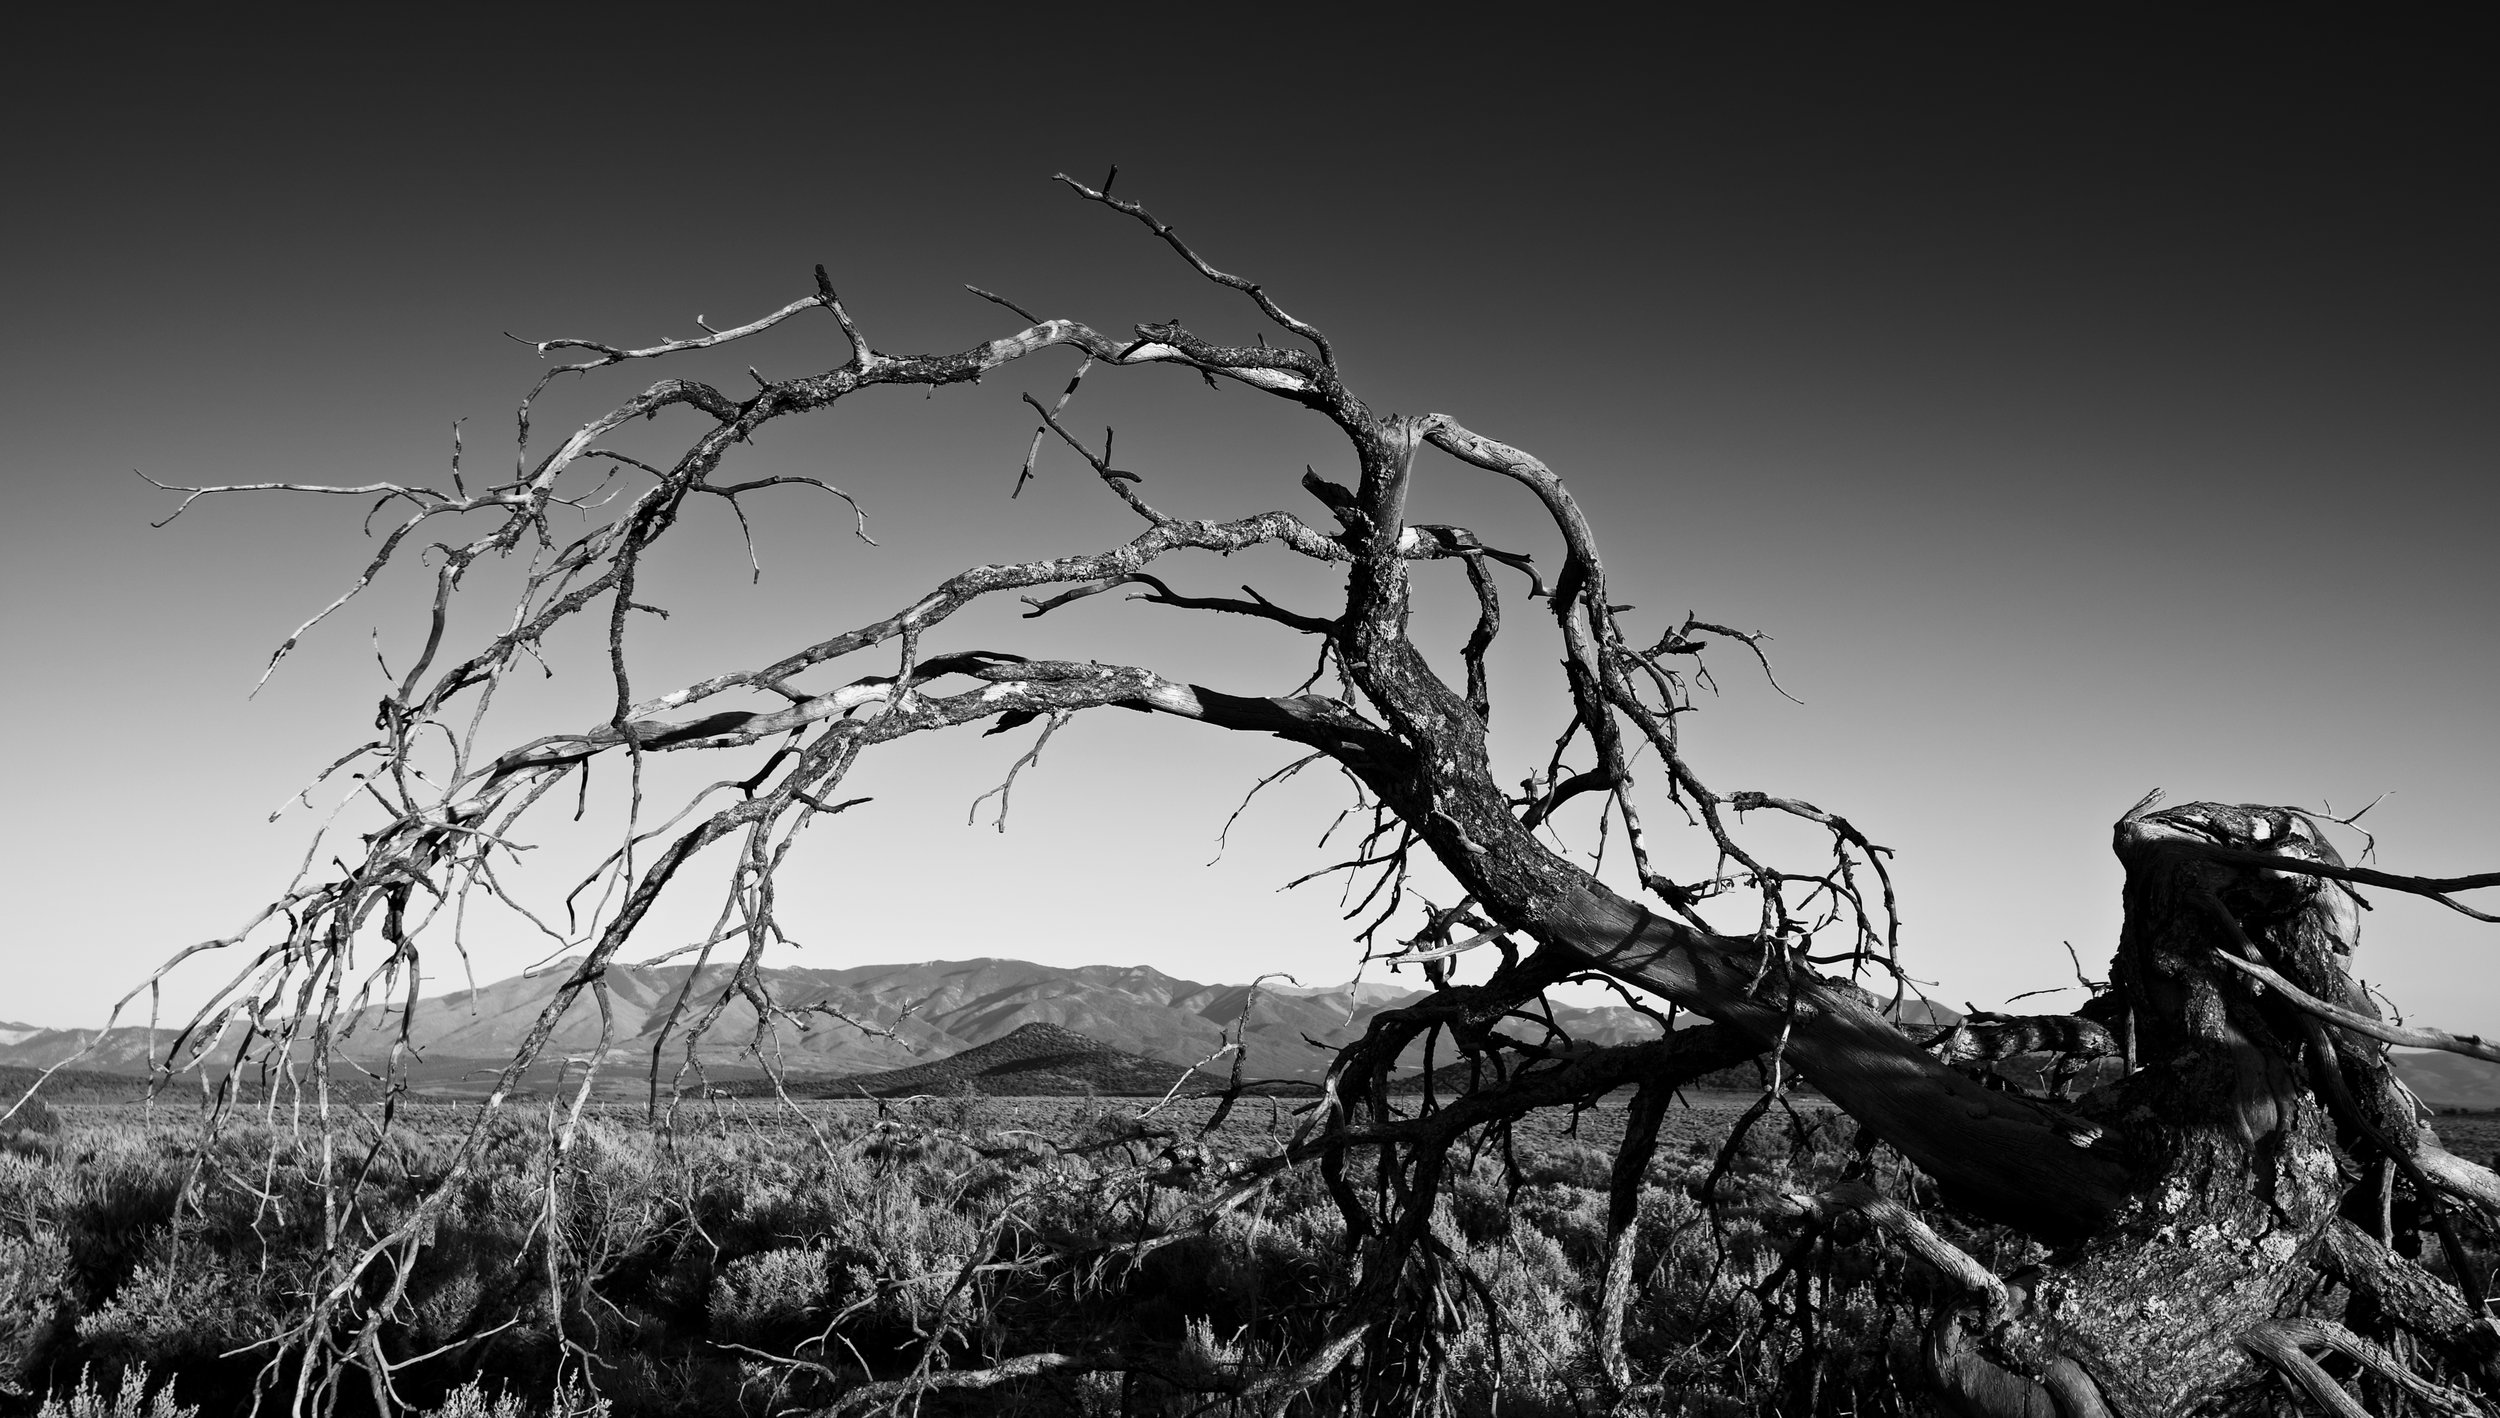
point(1034, 1060)
point(916, 1015)
point(913, 1013)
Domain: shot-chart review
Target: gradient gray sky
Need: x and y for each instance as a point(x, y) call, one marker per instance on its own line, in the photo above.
point(2083, 409)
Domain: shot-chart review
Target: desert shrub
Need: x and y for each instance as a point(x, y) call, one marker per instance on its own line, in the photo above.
point(906, 1145)
point(450, 1305)
point(611, 1188)
point(108, 1207)
point(1571, 1164)
point(780, 1202)
point(1098, 1396)
point(1091, 1119)
point(1572, 1217)
point(1545, 1338)
point(33, 1115)
point(1298, 1207)
point(744, 1232)
point(180, 1309)
point(33, 1268)
point(967, 1110)
point(1260, 1264)
point(1669, 1223)
point(772, 1299)
point(899, 1267)
point(131, 1398)
point(1479, 1203)
point(470, 1401)
point(1205, 1358)
point(26, 1182)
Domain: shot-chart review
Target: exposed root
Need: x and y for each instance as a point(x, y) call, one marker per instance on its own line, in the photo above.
point(2284, 1344)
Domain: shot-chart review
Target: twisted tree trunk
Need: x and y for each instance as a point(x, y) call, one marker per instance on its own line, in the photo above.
point(2251, 1138)
point(2235, 1180)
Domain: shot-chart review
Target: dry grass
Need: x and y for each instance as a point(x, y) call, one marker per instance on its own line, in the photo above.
point(743, 1265)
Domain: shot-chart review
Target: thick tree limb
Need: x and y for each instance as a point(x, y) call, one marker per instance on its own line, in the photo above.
point(2284, 1344)
point(1916, 1236)
point(2472, 1046)
point(1022, 1366)
point(2416, 1299)
point(1623, 1207)
point(2003, 1156)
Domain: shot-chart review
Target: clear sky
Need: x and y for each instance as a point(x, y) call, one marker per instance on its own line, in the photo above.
point(2083, 409)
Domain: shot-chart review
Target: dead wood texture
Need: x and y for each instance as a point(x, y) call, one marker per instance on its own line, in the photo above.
point(2219, 1243)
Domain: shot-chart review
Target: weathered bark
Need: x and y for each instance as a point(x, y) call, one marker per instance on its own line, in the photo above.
point(2234, 1203)
point(2009, 1158)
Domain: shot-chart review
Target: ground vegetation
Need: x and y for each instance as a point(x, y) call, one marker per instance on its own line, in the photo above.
point(761, 1259)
